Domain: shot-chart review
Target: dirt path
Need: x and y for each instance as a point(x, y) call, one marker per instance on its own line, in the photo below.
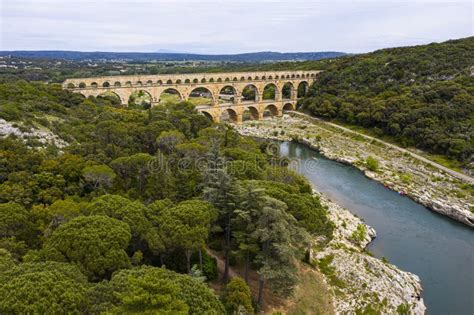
point(458, 175)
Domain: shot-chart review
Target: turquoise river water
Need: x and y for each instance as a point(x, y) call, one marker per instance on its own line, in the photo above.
point(439, 250)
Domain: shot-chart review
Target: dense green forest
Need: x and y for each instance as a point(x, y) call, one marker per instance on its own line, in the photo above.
point(122, 217)
point(420, 96)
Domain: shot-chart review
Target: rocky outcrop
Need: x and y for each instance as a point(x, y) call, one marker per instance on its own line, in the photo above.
point(42, 136)
point(429, 186)
point(360, 281)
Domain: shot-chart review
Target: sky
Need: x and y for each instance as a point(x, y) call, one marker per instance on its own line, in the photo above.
point(230, 26)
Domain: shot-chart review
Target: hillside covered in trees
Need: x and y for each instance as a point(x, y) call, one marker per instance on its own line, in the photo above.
point(119, 215)
point(419, 96)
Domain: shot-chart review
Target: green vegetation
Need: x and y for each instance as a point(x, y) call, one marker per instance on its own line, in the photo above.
point(420, 96)
point(372, 164)
point(119, 219)
point(359, 234)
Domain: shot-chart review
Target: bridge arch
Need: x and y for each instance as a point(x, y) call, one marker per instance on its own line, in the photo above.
point(113, 97)
point(302, 89)
point(94, 85)
point(251, 113)
point(169, 81)
point(170, 95)
point(228, 114)
point(201, 96)
point(71, 85)
point(117, 84)
point(287, 90)
point(288, 106)
point(270, 111)
point(250, 93)
point(140, 98)
point(270, 92)
point(128, 83)
point(227, 94)
point(207, 115)
point(82, 85)
point(106, 84)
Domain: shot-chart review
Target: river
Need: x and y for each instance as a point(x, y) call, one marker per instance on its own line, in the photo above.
point(439, 250)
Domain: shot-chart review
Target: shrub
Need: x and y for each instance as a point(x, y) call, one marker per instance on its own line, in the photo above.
point(237, 296)
point(372, 164)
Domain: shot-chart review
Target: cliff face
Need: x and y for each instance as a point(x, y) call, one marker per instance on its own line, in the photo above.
point(360, 281)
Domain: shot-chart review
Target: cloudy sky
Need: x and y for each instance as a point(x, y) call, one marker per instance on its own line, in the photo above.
point(230, 26)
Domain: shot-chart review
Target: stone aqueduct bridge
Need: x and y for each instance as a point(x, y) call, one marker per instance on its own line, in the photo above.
point(215, 83)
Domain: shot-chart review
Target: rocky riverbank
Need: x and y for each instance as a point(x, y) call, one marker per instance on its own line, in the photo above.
point(431, 187)
point(359, 281)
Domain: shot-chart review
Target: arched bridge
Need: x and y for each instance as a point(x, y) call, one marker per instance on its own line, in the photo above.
point(232, 95)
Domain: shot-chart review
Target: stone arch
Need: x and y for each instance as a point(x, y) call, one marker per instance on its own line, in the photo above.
point(82, 85)
point(128, 83)
point(178, 81)
point(250, 113)
point(288, 106)
point(242, 78)
point(203, 80)
point(211, 80)
point(227, 94)
point(207, 115)
point(302, 89)
point(94, 85)
point(248, 95)
point(109, 94)
point(228, 114)
point(201, 96)
point(139, 83)
point(270, 92)
point(106, 84)
point(277, 77)
point(270, 111)
point(235, 79)
point(160, 82)
point(117, 84)
point(141, 98)
point(170, 95)
point(187, 81)
point(287, 90)
point(264, 78)
point(270, 78)
point(219, 79)
point(195, 81)
point(169, 81)
point(227, 80)
point(149, 82)
point(297, 76)
point(257, 78)
point(71, 85)
point(249, 78)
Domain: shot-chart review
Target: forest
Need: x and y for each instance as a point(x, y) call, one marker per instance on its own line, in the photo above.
point(421, 96)
point(130, 212)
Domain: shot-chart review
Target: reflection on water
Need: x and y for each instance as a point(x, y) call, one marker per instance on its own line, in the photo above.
point(439, 250)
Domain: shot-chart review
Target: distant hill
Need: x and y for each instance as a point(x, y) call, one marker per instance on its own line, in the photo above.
point(136, 56)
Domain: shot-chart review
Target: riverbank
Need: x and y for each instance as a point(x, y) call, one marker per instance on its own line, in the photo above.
point(359, 281)
point(401, 172)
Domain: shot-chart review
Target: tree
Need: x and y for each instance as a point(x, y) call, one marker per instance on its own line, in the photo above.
point(39, 288)
point(237, 296)
point(96, 243)
point(99, 176)
point(168, 140)
point(186, 226)
point(222, 192)
point(14, 222)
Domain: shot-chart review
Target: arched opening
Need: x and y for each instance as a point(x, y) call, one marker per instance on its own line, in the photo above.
point(270, 78)
point(128, 83)
point(106, 84)
point(257, 78)
point(302, 89)
point(288, 106)
point(277, 77)
point(270, 92)
point(82, 85)
point(160, 82)
point(228, 115)
point(287, 91)
point(178, 81)
point(242, 78)
point(140, 99)
point(201, 96)
point(251, 113)
point(235, 79)
point(207, 115)
point(227, 94)
point(227, 80)
point(94, 85)
point(187, 81)
point(169, 82)
point(71, 85)
point(112, 97)
point(170, 96)
point(249, 78)
point(211, 80)
point(139, 83)
point(203, 80)
point(250, 93)
point(117, 84)
point(195, 81)
point(270, 111)
point(219, 80)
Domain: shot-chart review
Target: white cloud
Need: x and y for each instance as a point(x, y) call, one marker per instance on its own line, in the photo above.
point(222, 26)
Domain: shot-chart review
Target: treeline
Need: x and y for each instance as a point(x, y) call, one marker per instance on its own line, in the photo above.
point(421, 96)
point(122, 218)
